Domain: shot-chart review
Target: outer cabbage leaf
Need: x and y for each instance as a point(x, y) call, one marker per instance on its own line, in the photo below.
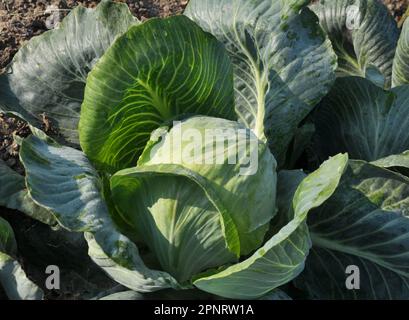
point(282, 257)
point(167, 294)
point(365, 223)
point(277, 52)
point(14, 195)
point(62, 180)
point(41, 246)
point(363, 34)
point(400, 72)
point(360, 118)
point(48, 75)
point(157, 71)
point(395, 160)
point(12, 277)
point(124, 295)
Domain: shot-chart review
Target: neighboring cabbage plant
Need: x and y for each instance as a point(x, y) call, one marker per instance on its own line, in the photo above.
point(365, 223)
point(363, 115)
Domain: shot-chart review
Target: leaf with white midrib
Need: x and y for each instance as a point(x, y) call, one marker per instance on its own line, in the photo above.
point(365, 223)
point(369, 41)
point(277, 52)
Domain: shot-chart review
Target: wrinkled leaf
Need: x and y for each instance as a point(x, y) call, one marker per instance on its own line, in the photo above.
point(277, 52)
point(62, 180)
point(48, 74)
point(360, 118)
point(364, 224)
point(14, 195)
point(395, 160)
point(400, 73)
point(363, 34)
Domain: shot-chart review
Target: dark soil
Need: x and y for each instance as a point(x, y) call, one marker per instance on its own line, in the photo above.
point(10, 127)
point(8, 147)
point(397, 8)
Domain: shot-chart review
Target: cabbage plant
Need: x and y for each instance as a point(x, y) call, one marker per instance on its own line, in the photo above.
point(180, 141)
